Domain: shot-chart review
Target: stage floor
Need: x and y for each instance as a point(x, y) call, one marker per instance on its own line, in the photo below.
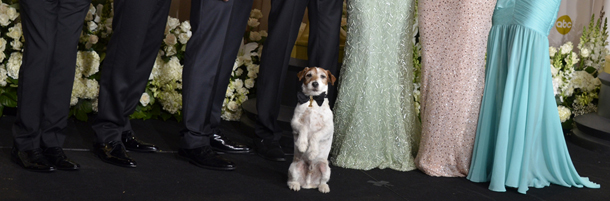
point(161, 176)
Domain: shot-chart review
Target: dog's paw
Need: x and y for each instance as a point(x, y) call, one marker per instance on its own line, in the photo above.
point(302, 145)
point(324, 188)
point(295, 186)
point(313, 154)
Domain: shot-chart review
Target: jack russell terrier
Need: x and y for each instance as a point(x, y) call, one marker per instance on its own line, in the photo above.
point(312, 126)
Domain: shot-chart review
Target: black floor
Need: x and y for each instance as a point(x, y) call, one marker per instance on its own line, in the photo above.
point(161, 176)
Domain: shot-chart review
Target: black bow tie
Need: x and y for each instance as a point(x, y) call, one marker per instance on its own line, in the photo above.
point(305, 98)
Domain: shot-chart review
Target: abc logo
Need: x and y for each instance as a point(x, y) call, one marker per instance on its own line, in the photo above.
point(563, 24)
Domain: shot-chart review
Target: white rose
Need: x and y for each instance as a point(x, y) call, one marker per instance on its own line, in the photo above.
point(99, 9)
point(90, 13)
point(172, 23)
point(242, 91)
point(170, 39)
point(93, 39)
point(185, 26)
point(13, 65)
point(564, 113)
point(16, 44)
point(238, 83)
point(255, 36)
point(566, 48)
point(15, 32)
point(252, 22)
point(184, 37)
point(232, 106)
point(12, 13)
point(249, 83)
point(91, 26)
point(238, 72)
point(263, 33)
point(145, 99)
point(256, 13)
point(585, 52)
point(552, 51)
point(4, 20)
point(170, 51)
point(229, 92)
point(252, 74)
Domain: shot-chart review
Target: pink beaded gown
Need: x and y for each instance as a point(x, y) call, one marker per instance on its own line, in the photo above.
point(453, 35)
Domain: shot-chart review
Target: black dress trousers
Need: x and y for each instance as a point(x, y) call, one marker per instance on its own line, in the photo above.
point(285, 19)
point(51, 29)
point(218, 28)
point(138, 27)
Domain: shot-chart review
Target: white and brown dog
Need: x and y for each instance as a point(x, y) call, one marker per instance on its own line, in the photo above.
point(312, 126)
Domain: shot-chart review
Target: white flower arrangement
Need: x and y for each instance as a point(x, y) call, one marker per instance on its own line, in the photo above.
point(575, 81)
point(245, 69)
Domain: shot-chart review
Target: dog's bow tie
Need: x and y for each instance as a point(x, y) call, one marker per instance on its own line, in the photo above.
point(302, 98)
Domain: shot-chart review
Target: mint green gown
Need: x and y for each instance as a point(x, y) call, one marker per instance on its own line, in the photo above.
point(519, 141)
point(375, 120)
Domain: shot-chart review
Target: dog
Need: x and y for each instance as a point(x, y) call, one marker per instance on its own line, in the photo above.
point(312, 125)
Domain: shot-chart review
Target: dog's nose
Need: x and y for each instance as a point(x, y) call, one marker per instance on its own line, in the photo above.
point(314, 84)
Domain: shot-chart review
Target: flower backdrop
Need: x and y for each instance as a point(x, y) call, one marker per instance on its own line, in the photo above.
point(575, 81)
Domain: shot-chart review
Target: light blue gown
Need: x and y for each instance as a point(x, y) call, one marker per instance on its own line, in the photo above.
point(519, 140)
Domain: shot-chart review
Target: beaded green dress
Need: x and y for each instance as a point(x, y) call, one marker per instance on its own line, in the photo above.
point(376, 125)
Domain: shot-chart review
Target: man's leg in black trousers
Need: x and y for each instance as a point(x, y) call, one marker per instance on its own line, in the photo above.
point(131, 23)
point(324, 30)
point(213, 23)
point(148, 55)
point(71, 15)
point(235, 32)
point(285, 20)
point(38, 19)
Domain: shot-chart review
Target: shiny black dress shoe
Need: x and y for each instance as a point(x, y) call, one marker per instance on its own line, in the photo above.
point(32, 160)
point(134, 144)
point(221, 144)
point(270, 150)
point(57, 157)
point(114, 153)
point(206, 158)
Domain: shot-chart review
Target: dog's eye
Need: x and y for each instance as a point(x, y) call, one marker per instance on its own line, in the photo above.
point(308, 75)
point(323, 76)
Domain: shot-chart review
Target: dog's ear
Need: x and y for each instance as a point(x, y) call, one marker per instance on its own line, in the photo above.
point(301, 74)
point(331, 77)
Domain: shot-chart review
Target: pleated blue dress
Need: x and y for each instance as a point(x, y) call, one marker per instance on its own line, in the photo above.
point(519, 141)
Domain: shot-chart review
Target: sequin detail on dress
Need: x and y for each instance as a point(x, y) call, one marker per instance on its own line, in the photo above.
point(375, 121)
point(453, 34)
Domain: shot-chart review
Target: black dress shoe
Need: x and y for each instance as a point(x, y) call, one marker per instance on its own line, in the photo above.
point(114, 153)
point(221, 144)
point(31, 160)
point(206, 158)
point(270, 150)
point(58, 158)
point(133, 144)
